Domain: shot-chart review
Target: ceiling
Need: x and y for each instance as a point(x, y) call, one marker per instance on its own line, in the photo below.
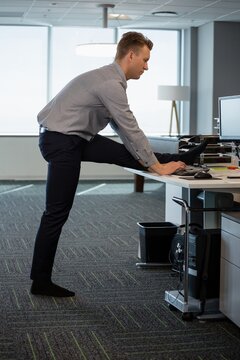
point(190, 13)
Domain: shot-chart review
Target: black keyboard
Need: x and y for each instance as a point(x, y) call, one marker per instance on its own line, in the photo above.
point(189, 170)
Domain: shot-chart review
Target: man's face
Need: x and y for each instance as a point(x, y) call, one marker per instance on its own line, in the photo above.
point(138, 63)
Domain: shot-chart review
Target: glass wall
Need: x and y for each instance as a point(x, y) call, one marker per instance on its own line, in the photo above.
point(23, 74)
point(26, 78)
point(66, 64)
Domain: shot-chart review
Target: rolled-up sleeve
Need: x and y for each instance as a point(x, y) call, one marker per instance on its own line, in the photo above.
point(113, 95)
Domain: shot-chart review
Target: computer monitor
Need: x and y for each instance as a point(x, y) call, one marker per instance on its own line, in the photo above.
point(229, 118)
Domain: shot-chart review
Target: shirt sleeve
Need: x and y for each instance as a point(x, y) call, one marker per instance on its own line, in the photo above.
point(113, 96)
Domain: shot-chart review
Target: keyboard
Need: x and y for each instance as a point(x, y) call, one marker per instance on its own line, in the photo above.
point(189, 170)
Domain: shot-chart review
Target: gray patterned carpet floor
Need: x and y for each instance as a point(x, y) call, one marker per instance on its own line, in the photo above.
point(119, 310)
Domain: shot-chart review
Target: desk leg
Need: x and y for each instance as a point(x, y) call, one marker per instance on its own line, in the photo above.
point(175, 213)
point(138, 183)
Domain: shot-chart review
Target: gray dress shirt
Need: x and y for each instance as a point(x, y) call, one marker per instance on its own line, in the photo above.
point(89, 102)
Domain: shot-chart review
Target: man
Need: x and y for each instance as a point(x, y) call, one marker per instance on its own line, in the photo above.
point(69, 127)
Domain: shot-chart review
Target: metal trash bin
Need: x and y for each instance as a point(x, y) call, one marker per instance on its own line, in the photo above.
point(155, 239)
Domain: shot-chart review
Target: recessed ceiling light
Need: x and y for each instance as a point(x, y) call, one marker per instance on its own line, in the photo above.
point(165, 13)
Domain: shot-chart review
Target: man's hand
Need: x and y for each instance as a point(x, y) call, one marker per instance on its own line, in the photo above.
point(168, 168)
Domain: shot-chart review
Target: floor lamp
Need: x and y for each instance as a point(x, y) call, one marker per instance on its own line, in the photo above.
point(173, 93)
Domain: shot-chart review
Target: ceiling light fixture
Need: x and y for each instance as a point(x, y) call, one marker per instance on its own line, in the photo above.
point(119, 17)
point(165, 13)
point(96, 49)
point(99, 49)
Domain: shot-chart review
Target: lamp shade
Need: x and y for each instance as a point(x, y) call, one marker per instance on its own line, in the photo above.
point(173, 92)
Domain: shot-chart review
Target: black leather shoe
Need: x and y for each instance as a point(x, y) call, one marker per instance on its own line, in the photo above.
point(189, 156)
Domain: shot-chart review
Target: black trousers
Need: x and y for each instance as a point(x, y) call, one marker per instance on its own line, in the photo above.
point(64, 154)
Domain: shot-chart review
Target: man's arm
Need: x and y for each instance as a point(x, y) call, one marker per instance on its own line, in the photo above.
point(113, 96)
point(125, 125)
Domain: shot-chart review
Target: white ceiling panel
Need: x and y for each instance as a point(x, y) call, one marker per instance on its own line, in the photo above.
point(88, 13)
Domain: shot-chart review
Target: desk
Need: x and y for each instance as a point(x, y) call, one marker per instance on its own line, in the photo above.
point(189, 190)
point(230, 266)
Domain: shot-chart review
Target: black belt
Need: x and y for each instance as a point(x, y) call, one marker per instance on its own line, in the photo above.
point(42, 129)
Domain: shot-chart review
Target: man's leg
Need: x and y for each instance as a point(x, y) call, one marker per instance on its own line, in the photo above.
point(187, 157)
point(63, 153)
point(105, 150)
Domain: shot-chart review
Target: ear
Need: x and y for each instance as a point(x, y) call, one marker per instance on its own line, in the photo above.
point(131, 54)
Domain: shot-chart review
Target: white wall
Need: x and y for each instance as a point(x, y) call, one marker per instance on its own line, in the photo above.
point(189, 50)
point(205, 79)
point(20, 159)
point(218, 69)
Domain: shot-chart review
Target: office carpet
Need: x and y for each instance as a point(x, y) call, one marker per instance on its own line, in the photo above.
point(119, 311)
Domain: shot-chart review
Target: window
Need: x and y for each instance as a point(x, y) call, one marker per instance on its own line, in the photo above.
point(153, 115)
point(27, 81)
point(23, 73)
point(66, 64)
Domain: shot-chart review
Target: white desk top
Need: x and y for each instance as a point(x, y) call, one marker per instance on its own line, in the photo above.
point(223, 183)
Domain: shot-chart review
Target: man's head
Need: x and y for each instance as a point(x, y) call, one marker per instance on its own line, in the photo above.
point(133, 53)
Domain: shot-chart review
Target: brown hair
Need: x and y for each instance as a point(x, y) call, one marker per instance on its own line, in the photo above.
point(131, 40)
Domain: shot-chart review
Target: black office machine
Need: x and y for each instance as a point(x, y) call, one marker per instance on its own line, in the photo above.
point(200, 269)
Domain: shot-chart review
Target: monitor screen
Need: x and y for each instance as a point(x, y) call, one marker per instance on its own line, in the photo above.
point(229, 118)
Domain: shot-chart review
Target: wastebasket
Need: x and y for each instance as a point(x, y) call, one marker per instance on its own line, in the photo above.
point(155, 239)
